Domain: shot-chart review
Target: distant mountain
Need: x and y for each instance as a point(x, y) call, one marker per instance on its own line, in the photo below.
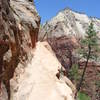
point(68, 23)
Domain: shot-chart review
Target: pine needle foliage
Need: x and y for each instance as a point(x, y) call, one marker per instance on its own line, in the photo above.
point(89, 49)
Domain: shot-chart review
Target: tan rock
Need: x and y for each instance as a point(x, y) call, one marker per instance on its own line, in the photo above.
point(39, 81)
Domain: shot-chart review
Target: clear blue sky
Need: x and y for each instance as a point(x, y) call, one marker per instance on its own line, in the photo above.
point(49, 8)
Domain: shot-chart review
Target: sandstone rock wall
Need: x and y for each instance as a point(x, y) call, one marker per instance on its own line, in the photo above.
point(64, 48)
point(38, 81)
point(19, 25)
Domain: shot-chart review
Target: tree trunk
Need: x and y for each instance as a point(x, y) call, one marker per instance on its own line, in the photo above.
point(86, 65)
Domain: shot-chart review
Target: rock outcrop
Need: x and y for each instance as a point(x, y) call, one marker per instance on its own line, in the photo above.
point(68, 23)
point(19, 25)
point(38, 80)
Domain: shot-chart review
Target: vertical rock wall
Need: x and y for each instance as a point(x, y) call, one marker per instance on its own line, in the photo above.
point(19, 25)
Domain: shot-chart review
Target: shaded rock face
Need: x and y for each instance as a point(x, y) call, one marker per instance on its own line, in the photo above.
point(64, 49)
point(68, 23)
point(19, 25)
point(38, 80)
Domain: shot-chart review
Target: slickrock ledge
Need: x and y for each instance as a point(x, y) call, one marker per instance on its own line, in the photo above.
point(39, 81)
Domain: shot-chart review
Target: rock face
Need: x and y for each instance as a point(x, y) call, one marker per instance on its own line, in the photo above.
point(64, 48)
point(19, 25)
point(38, 80)
point(68, 23)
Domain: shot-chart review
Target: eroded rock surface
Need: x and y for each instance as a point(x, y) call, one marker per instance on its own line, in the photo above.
point(19, 25)
point(64, 48)
point(38, 81)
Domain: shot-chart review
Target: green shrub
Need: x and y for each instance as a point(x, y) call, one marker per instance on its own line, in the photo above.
point(97, 84)
point(83, 96)
point(73, 73)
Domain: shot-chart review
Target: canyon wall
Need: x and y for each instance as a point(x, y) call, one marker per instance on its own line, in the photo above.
point(19, 26)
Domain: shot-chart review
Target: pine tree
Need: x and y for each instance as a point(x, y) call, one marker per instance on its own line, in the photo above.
point(89, 49)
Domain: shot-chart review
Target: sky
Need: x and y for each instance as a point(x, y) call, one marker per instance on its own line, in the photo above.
point(49, 8)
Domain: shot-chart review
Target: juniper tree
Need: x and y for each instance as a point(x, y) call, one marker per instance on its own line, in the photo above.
point(89, 49)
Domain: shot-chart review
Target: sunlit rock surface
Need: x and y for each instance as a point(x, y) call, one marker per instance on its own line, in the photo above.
point(68, 23)
point(38, 79)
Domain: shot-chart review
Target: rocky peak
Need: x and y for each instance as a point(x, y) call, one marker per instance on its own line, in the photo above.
point(69, 22)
